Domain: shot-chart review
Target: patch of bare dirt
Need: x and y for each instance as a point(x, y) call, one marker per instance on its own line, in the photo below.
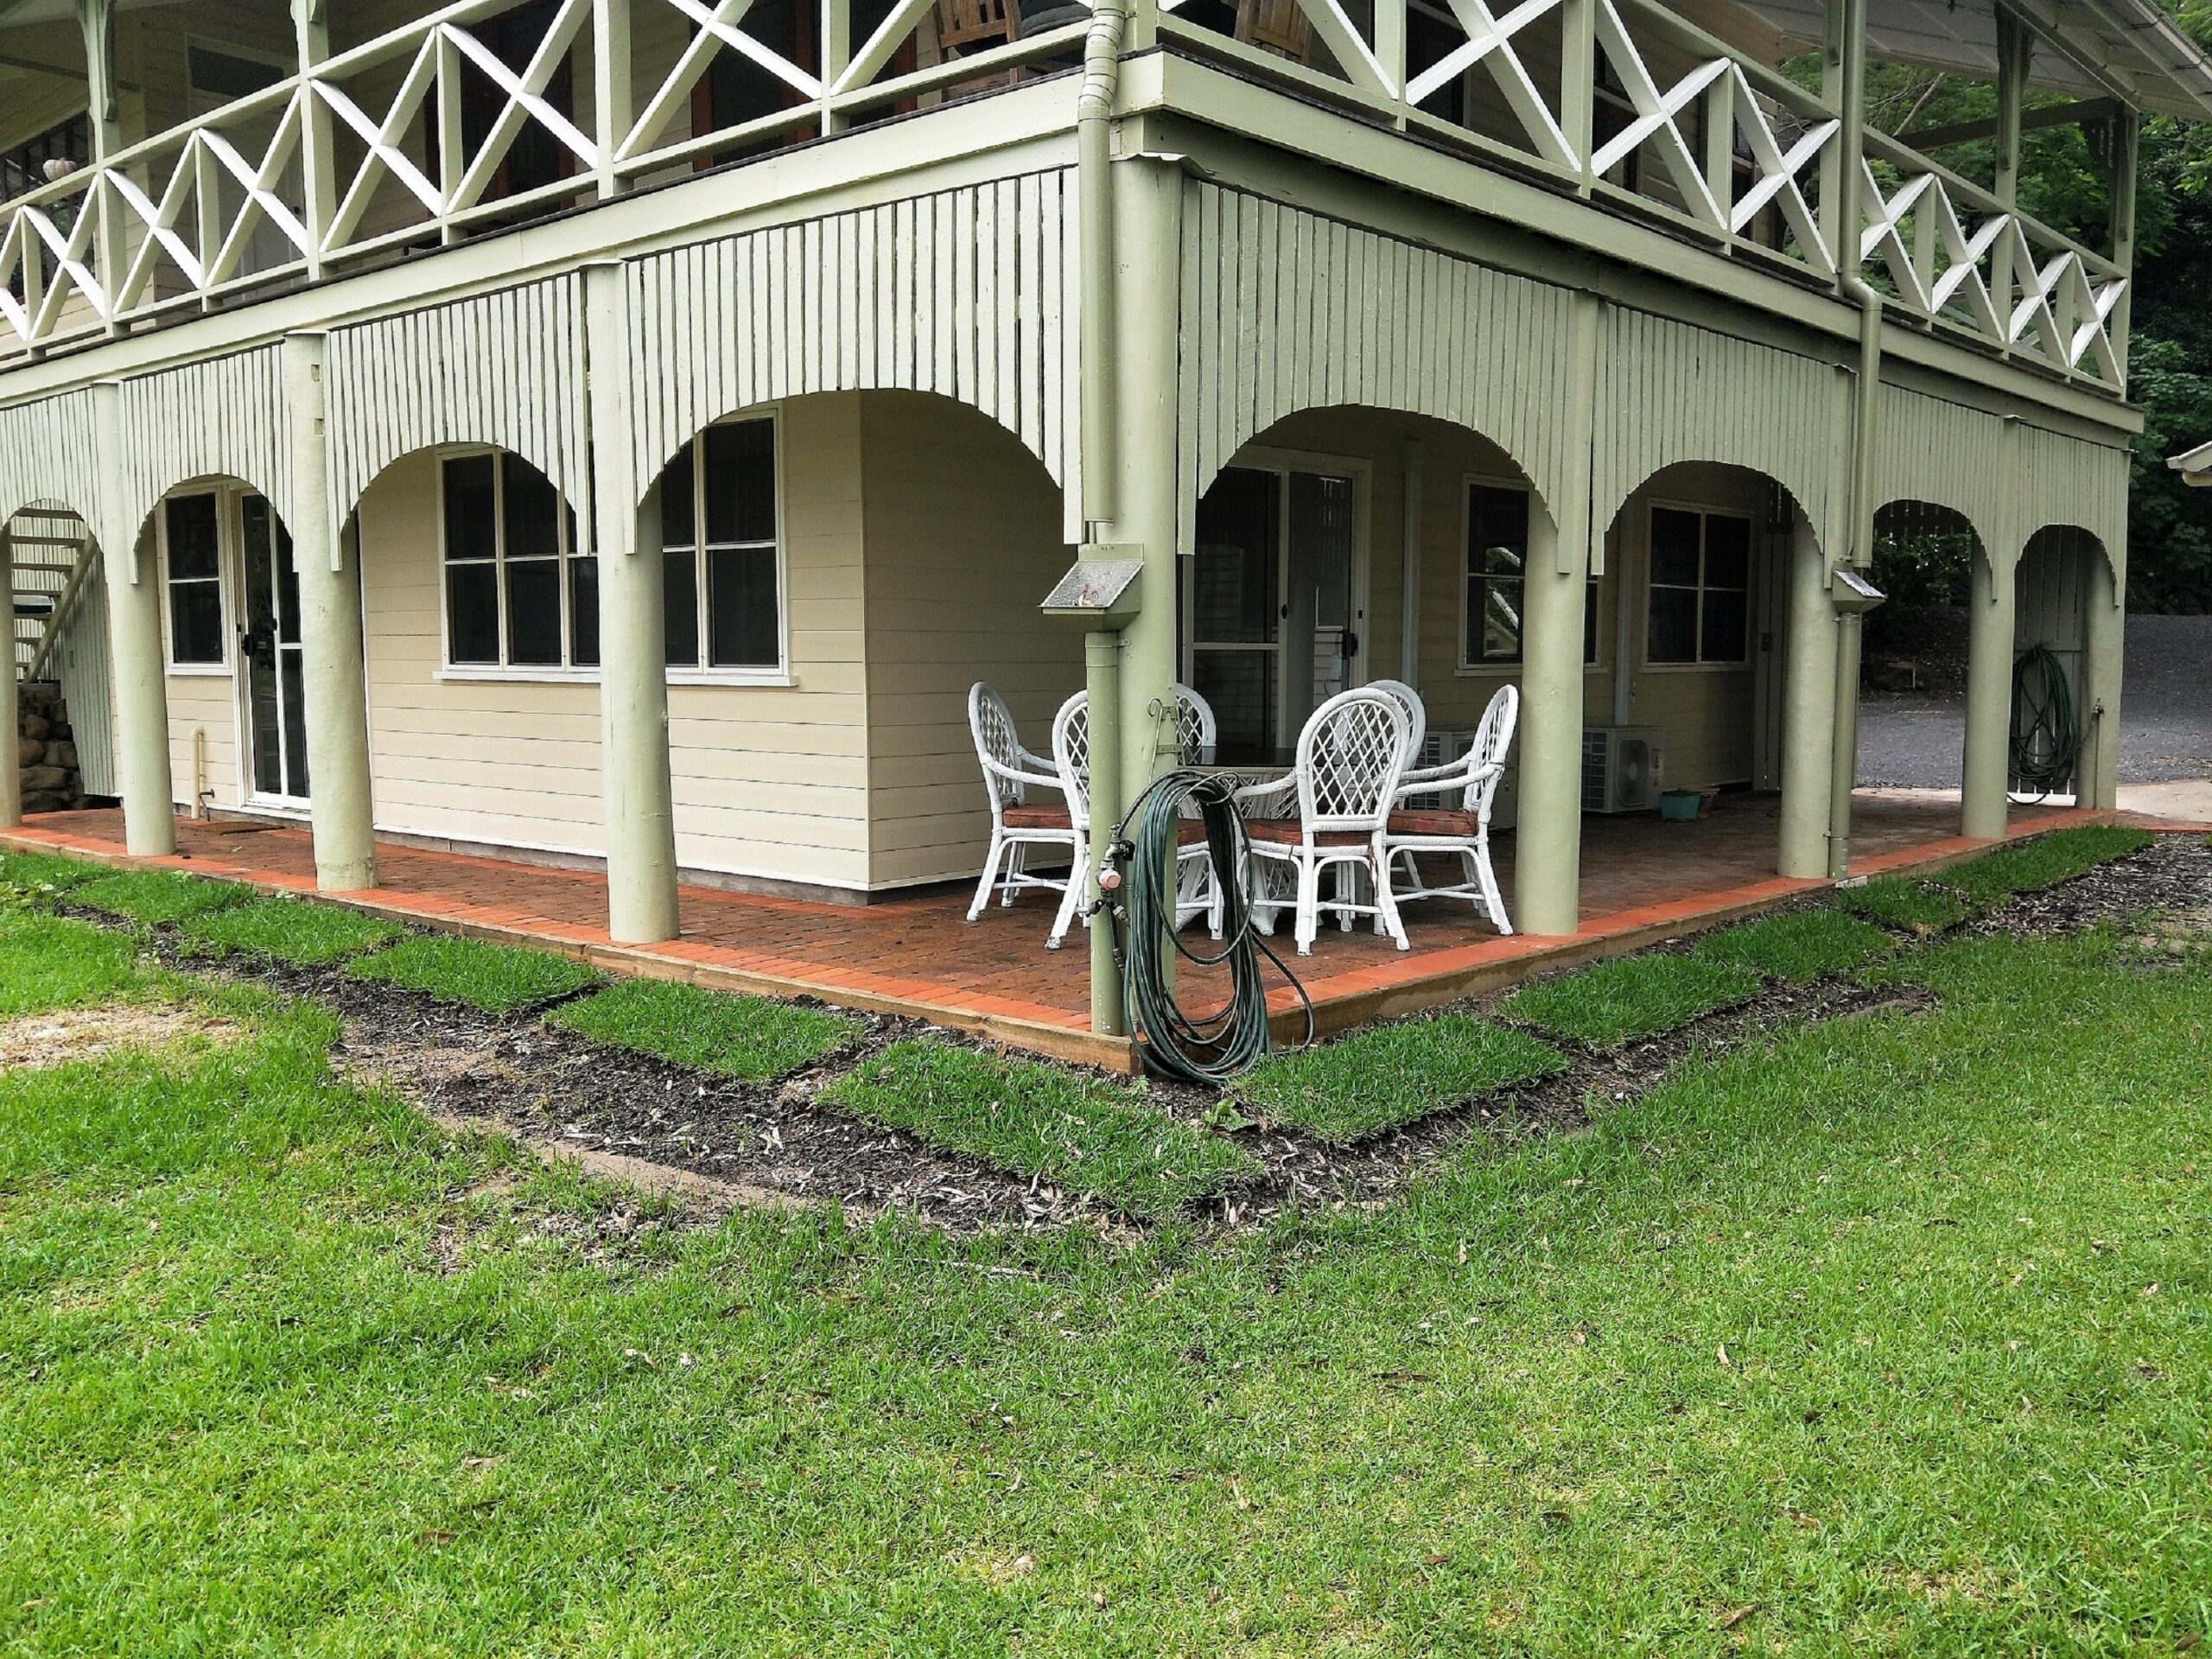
point(67, 1035)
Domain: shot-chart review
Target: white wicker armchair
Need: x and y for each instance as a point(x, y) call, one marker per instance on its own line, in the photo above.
point(1011, 773)
point(1461, 826)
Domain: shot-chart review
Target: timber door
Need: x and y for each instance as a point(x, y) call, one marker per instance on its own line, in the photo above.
point(272, 670)
point(1271, 605)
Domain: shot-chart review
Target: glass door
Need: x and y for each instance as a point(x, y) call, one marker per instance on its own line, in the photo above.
point(1269, 605)
point(269, 649)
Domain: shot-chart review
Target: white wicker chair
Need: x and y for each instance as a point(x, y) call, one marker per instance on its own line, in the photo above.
point(1416, 714)
point(1194, 730)
point(1349, 758)
point(1461, 826)
point(1010, 773)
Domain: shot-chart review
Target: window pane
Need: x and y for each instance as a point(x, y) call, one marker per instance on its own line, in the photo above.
point(196, 622)
point(296, 723)
point(1674, 626)
point(534, 612)
point(1590, 623)
point(192, 536)
point(1498, 528)
point(741, 595)
point(470, 530)
point(740, 462)
point(1233, 577)
point(583, 612)
point(473, 612)
point(1494, 619)
point(1726, 624)
point(679, 582)
point(533, 509)
point(1727, 552)
point(1674, 547)
point(288, 589)
point(1241, 686)
point(676, 521)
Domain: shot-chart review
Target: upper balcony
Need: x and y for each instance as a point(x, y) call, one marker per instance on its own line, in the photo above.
point(171, 157)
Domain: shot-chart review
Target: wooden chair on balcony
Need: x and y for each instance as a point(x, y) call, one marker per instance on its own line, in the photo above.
point(1277, 26)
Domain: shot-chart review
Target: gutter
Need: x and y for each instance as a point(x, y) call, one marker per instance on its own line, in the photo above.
point(1094, 114)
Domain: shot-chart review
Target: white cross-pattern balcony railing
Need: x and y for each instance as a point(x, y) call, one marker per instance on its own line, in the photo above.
point(446, 127)
point(1951, 252)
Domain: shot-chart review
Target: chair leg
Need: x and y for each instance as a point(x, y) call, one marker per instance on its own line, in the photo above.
point(1491, 898)
point(1386, 902)
point(1078, 870)
point(990, 875)
point(1309, 904)
point(1017, 856)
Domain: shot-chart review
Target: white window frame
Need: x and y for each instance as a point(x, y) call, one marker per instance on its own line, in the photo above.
point(226, 593)
point(565, 671)
point(779, 674)
point(1704, 510)
point(1466, 667)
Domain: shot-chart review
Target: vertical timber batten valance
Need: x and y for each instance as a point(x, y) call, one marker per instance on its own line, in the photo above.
point(46, 455)
point(505, 368)
point(1284, 310)
point(971, 294)
point(224, 417)
point(1670, 391)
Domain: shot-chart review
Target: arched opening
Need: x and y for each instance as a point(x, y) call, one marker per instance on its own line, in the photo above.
point(1689, 677)
point(2056, 587)
point(58, 660)
point(1931, 564)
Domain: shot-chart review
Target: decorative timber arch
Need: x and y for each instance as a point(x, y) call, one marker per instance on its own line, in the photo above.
point(221, 418)
point(1283, 310)
point(47, 456)
point(971, 294)
point(504, 369)
point(1670, 392)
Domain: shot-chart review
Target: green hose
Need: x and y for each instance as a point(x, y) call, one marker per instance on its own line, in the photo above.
point(2046, 739)
point(1207, 1049)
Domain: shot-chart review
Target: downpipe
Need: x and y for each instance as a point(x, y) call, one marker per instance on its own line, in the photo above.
point(1859, 545)
point(1094, 139)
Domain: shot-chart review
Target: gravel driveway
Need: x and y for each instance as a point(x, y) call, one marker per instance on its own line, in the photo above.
point(1915, 742)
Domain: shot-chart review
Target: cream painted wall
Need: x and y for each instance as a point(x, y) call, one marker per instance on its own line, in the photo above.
point(963, 541)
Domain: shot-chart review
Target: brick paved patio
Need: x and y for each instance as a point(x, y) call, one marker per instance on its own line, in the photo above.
point(1643, 881)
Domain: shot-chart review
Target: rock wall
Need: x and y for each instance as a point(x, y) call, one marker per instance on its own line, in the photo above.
point(49, 776)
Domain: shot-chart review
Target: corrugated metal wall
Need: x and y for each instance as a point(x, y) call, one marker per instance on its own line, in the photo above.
point(504, 368)
point(1669, 393)
point(1285, 310)
point(225, 417)
point(967, 293)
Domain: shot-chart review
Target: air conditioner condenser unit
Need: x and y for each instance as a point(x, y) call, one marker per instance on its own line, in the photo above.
point(1622, 766)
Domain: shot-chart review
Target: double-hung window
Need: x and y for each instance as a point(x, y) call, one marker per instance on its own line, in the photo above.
point(192, 546)
point(1701, 600)
point(722, 551)
point(520, 593)
point(1497, 580)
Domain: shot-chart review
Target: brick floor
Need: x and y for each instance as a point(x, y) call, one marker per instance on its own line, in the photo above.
point(1641, 879)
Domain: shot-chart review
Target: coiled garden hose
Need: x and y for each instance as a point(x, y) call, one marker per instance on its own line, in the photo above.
point(1141, 894)
point(2046, 741)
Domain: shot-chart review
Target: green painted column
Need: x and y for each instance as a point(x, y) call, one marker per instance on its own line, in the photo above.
point(330, 640)
point(134, 634)
point(638, 791)
point(1987, 772)
point(1548, 840)
point(11, 748)
point(1102, 655)
point(1808, 709)
point(1147, 235)
point(2105, 650)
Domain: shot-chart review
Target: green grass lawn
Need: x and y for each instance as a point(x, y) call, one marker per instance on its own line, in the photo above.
point(40, 875)
point(1045, 1120)
point(2044, 862)
point(152, 897)
point(1909, 906)
point(1888, 1337)
point(1628, 997)
point(291, 930)
point(497, 978)
point(1378, 1078)
point(750, 1038)
point(1799, 946)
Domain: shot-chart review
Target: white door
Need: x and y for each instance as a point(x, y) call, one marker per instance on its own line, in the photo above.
point(271, 669)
